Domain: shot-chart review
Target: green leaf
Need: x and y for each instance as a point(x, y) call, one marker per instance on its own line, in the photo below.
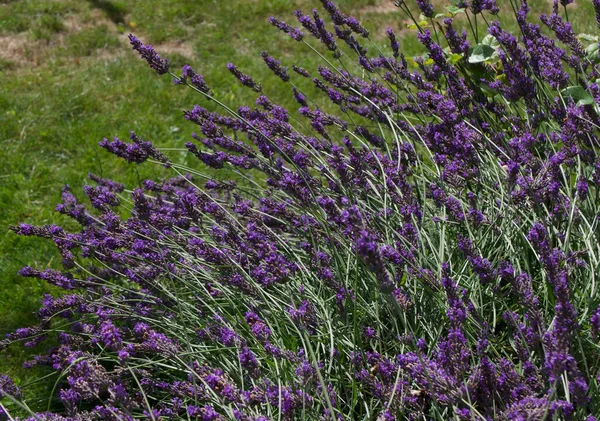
point(578, 94)
point(455, 10)
point(491, 92)
point(421, 24)
point(454, 58)
point(591, 51)
point(481, 53)
point(491, 41)
point(588, 37)
point(403, 279)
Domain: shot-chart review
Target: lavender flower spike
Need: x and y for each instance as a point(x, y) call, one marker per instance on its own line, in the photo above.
point(244, 78)
point(196, 80)
point(160, 65)
point(275, 66)
point(596, 4)
point(294, 33)
point(426, 8)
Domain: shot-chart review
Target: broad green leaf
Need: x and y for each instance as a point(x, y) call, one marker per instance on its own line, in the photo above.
point(591, 51)
point(414, 61)
point(455, 10)
point(481, 53)
point(454, 58)
point(578, 94)
point(422, 24)
point(491, 41)
point(588, 37)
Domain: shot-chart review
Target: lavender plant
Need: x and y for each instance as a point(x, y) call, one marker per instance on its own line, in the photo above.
point(423, 247)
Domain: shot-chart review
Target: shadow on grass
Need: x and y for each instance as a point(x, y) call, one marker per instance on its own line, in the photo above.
point(114, 12)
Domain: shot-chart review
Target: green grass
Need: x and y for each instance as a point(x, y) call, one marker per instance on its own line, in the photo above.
point(74, 81)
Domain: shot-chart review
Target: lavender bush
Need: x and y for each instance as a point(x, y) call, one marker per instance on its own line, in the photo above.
point(423, 247)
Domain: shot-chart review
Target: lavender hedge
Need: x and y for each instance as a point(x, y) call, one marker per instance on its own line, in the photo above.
point(423, 247)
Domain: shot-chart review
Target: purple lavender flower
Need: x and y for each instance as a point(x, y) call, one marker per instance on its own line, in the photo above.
point(595, 323)
point(394, 44)
point(294, 33)
point(138, 151)
point(426, 8)
point(205, 413)
point(259, 329)
point(596, 4)
point(196, 80)
point(249, 362)
point(307, 22)
point(301, 71)
point(356, 26)
point(62, 280)
point(275, 66)
point(160, 65)
point(8, 388)
point(300, 97)
point(582, 188)
point(109, 184)
point(304, 315)
point(110, 335)
point(478, 6)
point(244, 78)
point(458, 43)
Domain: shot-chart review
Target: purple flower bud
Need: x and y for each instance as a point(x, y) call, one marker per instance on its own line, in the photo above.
point(8, 388)
point(582, 188)
point(109, 184)
point(249, 362)
point(63, 280)
point(161, 66)
point(195, 80)
point(110, 335)
point(426, 7)
point(259, 329)
point(299, 97)
point(394, 44)
point(244, 78)
point(595, 323)
point(138, 151)
point(294, 33)
point(300, 71)
point(275, 66)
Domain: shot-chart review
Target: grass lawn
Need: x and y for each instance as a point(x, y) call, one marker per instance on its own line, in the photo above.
point(69, 79)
